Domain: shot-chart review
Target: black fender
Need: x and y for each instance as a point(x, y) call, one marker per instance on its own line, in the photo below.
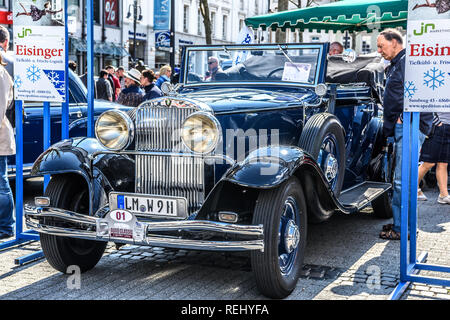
point(268, 168)
point(104, 173)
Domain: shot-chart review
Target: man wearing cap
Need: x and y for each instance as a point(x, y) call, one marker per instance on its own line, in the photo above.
point(132, 95)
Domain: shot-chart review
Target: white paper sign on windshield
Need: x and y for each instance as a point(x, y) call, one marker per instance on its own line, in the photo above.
point(296, 72)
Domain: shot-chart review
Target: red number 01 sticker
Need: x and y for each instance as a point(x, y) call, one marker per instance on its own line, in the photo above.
point(121, 216)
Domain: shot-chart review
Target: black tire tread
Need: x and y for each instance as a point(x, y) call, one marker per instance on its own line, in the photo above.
point(261, 270)
point(51, 245)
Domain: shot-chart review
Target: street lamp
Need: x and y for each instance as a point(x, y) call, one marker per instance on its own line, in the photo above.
point(136, 8)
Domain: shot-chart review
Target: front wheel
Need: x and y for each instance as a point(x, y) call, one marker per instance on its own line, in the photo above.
point(282, 212)
point(63, 252)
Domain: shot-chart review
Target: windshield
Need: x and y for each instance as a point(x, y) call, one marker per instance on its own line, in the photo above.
point(274, 63)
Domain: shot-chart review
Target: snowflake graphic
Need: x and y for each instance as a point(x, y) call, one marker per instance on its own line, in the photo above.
point(54, 77)
point(410, 89)
point(33, 73)
point(434, 78)
point(18, 82)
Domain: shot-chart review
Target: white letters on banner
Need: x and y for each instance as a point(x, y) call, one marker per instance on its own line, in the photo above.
point(427, 71)
point(39, 49)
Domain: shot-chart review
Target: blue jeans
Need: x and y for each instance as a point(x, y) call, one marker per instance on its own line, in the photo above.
point(6, 200)
point(396, 200)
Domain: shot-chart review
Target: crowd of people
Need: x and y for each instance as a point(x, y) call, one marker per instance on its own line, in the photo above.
point(129, 88)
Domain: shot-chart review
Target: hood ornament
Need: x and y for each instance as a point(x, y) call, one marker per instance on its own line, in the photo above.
point(169, 89)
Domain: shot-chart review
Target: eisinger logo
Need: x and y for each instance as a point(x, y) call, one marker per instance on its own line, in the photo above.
point(424, 28)
point(25, 32)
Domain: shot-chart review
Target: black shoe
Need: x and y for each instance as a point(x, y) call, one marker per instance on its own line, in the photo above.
point(5, 236)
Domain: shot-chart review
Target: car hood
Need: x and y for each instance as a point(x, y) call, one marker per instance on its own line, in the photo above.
point(229, 100)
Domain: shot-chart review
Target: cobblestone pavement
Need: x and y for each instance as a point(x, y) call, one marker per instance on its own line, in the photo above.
point(345, 260)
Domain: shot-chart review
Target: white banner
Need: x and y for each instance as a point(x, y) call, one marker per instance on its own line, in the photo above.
point(245, 36)
point(427, 70)
point(39, 49)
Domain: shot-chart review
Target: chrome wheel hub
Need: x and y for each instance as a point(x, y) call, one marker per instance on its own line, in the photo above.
point(331, 167)
point(291, 236)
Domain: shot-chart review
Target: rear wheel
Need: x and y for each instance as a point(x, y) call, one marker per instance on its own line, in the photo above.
point(323, 138)
point(70, 193)
point(282, 212)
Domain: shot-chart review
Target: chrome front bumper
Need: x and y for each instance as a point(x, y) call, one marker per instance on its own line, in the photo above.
point(87, 229)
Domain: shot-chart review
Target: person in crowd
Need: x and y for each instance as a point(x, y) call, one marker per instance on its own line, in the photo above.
point(148, 83)
point(213, 68)
point(164, 75)
point(436, 150)
point(8, 59)
point(73, 66)
point(119, 74)
point(132, 95)
point(156, 75)
point(114, 80)
point(390, 46)
point(103, 87)
point(336, 48)
point(7, 148)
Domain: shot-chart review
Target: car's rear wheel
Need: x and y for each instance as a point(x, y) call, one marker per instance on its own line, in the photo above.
point(282, 212)
point(323, 138)
point(70, 193)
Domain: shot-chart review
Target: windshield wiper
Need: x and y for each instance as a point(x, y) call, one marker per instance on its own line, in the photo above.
point(283, 51)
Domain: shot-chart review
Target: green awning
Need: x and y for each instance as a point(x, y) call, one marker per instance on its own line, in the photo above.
point(346, 15)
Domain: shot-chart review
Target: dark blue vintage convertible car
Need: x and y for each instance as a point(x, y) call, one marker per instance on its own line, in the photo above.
point(239, 161)
point(33, 122)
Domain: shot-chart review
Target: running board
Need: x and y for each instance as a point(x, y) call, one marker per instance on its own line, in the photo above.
point(361, 195)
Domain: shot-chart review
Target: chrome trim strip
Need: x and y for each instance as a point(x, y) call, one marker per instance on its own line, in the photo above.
point(166, 154)
point(33, 214)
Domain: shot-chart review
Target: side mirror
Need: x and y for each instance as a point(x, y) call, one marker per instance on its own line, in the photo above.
point(349, 55)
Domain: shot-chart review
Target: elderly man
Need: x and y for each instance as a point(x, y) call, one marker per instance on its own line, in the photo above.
point(213, 68)
point(390, 46)
point(132, 95)
point(336, 48)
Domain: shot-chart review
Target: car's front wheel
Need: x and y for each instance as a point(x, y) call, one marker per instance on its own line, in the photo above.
point(282, 212)
point(63, 252)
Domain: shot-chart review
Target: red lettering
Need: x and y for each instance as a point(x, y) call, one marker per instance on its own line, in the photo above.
point(420, 50)
point(46, 53)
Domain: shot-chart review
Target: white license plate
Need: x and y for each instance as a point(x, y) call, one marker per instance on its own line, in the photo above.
point(150, 205)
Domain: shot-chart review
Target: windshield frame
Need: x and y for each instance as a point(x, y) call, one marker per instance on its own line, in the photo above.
point(318, 77)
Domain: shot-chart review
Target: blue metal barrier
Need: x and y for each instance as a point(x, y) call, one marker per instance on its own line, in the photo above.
point(410, 268)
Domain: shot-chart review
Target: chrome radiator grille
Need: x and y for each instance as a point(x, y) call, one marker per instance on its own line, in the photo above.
point(158, 129)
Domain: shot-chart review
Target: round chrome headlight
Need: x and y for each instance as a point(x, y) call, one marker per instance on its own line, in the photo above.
point(200, 132)
point(114, 129)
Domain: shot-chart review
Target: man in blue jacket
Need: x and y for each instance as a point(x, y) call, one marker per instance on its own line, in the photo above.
point(390, 46)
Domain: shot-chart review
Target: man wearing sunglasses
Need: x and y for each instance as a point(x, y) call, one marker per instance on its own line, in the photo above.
point(213, 68)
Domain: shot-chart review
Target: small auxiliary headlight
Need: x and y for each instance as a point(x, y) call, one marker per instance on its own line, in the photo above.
point(42, 201)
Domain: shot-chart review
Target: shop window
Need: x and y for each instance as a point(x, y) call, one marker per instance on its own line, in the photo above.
point(186, 19)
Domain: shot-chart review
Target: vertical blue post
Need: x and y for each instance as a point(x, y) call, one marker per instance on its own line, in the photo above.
point(414, 186)
point(65, 105)
point(19, 169)
point(405, 196)
point(47, 135)
point(90, 67)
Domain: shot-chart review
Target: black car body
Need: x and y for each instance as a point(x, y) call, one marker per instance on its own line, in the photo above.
point(241, 162)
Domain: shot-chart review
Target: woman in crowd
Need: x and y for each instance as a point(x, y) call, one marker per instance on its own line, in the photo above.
point(436, 150)
point(164, 75)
